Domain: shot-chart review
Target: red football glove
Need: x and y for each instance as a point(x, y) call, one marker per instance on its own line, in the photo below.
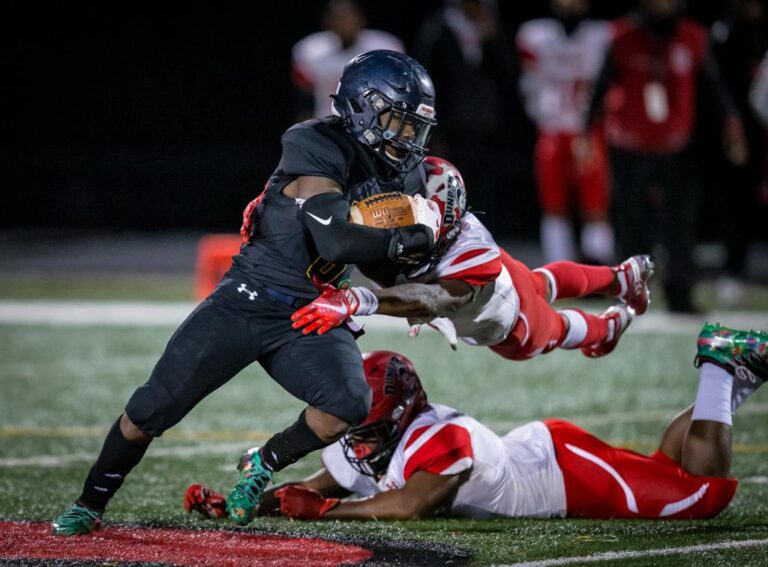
point(331, 309)
point(246, 229)
point(205, 500)
point(304, 503)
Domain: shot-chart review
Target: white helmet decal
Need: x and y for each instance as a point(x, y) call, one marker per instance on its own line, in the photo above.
point(445, 186)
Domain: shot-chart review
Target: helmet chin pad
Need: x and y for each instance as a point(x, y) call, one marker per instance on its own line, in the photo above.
point(393, 153)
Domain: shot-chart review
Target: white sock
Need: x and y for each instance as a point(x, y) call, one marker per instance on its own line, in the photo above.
point(556, 239)
point(552, 284)
point(713, 398)
point(577, 329)
point(597, 241)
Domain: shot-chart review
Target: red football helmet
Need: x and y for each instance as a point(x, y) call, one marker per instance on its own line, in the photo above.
point(445, 186)
point(398, 398)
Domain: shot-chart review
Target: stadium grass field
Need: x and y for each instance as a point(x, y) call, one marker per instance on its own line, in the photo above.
point(61, 387)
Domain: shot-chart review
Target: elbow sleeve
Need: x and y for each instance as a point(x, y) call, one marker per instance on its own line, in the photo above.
point(338, 240)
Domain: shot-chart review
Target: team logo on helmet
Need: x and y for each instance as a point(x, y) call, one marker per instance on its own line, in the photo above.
point(445, 186)
point(426, 111)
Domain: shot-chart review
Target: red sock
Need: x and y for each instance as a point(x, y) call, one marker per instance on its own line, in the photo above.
point(597, 329)
point(577, 280)
point(584, 329)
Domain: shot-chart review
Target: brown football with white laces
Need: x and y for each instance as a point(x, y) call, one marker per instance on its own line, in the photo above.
point(388, 210)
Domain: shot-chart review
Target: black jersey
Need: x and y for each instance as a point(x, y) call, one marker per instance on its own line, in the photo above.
point(281, 253)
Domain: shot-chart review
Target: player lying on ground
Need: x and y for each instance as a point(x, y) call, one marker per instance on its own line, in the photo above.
point(478, 292)
point(411, 459)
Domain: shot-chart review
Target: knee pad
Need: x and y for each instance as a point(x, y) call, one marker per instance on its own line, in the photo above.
point(153, 410)
point(351, 403)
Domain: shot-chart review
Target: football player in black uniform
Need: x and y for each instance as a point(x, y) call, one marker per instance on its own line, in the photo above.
point(297, 238)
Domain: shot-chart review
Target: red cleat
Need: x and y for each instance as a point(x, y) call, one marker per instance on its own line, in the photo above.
point(619, 317)
point(632, 276)
point(205, 500)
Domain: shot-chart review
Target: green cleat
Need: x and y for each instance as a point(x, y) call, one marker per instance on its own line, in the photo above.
point(734, 349)
point(744, 354)
point(78, 520)
point(243, 501)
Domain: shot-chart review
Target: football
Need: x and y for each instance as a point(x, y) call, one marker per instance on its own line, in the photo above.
point(388, 210)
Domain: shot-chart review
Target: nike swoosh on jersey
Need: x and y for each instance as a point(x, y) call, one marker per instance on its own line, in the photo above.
point(335, 308)
point(685, 503)
point(326, 222)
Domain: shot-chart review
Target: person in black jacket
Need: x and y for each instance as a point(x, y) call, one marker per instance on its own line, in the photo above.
point(483, 128)
point(739, 42)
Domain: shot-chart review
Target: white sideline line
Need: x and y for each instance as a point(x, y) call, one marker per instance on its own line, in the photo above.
point(616, 555)
point(57, 313)
point(754, 480)
point(76, 364)
point(178, 451)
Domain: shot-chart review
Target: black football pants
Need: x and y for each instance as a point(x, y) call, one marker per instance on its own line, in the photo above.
point(234, 327)
point(655, 198)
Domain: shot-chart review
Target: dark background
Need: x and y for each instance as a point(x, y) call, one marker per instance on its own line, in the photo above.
point(168, 115)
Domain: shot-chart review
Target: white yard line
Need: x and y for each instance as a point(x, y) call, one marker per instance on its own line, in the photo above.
point(78, 364)
point(661, 552)
point(93, 313)
point(139, 313)
point(217, 448)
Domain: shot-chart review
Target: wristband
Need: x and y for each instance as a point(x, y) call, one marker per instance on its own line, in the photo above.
point(367, 303)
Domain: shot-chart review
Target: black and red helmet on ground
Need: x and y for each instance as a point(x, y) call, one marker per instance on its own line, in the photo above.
point(397, 398)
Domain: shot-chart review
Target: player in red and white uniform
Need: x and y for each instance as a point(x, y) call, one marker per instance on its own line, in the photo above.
point(561, 57)
point(475, 291)
point(411, 459)
point(318, 59)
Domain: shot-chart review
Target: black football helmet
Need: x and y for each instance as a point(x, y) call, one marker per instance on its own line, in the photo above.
point(397, 399)
point(387, 101)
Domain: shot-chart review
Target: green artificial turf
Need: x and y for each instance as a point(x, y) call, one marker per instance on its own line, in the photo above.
point(62, 387)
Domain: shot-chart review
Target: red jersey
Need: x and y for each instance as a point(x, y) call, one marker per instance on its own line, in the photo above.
point(540, 469)
point(652, 103)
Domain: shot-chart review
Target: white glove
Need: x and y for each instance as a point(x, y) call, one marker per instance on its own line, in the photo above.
point(446, 328)
point(441, 324)
point(426, 212)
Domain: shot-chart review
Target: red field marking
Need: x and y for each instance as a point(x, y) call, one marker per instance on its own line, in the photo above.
point(21, 540)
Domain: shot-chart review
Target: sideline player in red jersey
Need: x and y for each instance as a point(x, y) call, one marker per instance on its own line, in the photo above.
point(474, 290)
point(411, 459)
point(561, 57)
